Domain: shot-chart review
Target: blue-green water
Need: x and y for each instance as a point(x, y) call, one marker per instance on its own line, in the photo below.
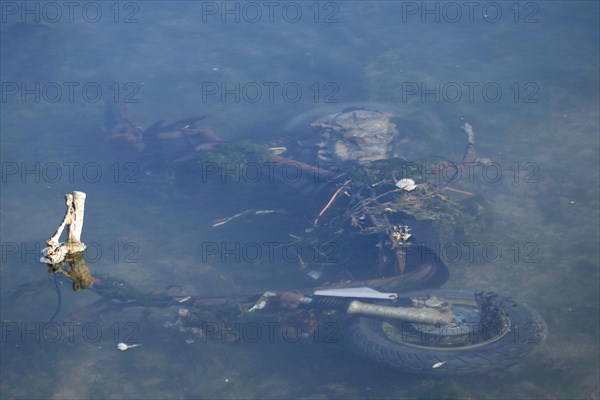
point(523, 74)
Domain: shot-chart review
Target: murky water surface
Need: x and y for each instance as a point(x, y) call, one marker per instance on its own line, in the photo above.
point(523, 74)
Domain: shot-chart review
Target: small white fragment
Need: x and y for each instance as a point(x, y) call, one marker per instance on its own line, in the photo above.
point(183, 312)
point(277, 150)
point(184, 299)
point(438, 364)
point(123, 346)
point(260, 304)
point(264, 212)
point(316, 274)
point(406, 184)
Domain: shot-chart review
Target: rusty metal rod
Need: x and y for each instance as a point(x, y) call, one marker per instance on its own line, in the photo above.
point(413, 314)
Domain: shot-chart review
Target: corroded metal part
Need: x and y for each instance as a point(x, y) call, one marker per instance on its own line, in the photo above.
point(421, 314)
point(357, 135)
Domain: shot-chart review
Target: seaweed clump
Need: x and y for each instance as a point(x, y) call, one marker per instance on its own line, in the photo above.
point(241, 153)
point(451, 214)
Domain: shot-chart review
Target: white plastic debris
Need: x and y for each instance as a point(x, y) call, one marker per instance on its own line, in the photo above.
point(406, 184)
point(183, 299)
point(56, 252)
point(357, 292)
point(183, 312)
point(123, 346)
point(316, 274)
point(277, 150)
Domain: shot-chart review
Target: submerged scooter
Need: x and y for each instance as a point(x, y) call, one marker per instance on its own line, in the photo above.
point(426, 331)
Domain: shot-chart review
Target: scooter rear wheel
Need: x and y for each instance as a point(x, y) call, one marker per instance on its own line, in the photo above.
point(492, 332)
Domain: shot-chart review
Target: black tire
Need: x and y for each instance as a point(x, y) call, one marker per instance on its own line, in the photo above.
point(510, 331)
point(425, 269)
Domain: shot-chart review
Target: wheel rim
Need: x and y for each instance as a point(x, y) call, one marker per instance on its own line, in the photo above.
point(468, 332)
